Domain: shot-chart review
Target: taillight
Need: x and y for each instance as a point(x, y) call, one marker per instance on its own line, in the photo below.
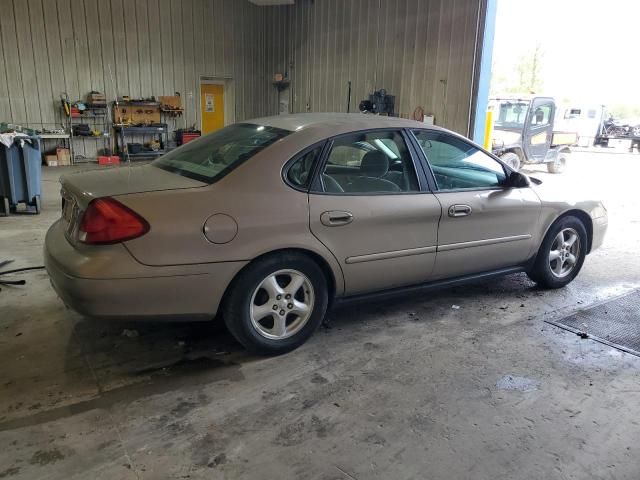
point(108, 221)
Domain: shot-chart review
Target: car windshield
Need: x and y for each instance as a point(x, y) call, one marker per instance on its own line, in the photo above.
point(510, 113)
point(211, 157)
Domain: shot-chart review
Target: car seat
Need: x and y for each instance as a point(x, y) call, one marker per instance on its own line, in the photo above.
point(374, 166)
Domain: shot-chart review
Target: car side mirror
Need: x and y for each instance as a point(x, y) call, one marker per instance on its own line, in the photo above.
point(517, 180)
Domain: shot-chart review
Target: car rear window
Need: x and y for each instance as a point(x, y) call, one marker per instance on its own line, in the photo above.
point(213, 156)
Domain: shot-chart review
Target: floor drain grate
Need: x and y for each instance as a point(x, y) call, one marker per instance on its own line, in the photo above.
point(615, 323)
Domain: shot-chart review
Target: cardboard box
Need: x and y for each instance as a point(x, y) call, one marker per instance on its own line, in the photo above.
point(170, 102)
point(51, 160)
point(96, 98)
point(136, 113)
point(63, 155)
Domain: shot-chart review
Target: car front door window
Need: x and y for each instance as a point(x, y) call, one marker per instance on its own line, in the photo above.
point(458, 165)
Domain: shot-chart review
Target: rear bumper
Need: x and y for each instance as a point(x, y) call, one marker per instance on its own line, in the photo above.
point(109, 283)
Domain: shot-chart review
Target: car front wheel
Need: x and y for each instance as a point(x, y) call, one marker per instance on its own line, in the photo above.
point(276, 303)
point(561, 254)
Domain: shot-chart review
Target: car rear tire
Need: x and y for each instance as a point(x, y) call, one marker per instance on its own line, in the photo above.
point(276, 303)
point(561, 254)
point(559, 165)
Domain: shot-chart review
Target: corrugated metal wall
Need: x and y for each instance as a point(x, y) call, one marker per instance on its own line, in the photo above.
point(135, 47)
point(421, 51)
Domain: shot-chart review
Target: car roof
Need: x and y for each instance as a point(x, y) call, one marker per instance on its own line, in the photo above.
point(336, 123)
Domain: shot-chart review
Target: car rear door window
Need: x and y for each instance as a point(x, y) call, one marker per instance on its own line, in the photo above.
point(369, 163)
point(457, 164)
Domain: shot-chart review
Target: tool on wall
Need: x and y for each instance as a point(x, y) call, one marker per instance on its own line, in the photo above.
point(349, 97)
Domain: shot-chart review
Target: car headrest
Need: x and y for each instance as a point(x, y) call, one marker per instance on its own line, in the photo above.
point(374, 164)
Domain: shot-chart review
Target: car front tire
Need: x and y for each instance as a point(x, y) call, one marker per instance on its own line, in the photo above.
point(561, 254)
point(276, 303)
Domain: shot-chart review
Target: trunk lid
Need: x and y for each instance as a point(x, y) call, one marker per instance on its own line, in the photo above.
point(80, 188)
point(111, 182)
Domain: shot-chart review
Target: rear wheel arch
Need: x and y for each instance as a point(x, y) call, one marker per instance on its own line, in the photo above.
point(269, 329)
point(315, 257)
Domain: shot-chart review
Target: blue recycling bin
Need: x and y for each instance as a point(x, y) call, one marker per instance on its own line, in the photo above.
point(20, 175)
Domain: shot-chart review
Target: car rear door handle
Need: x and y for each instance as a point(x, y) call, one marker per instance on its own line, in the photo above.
point(459, 210)
point(335, 218)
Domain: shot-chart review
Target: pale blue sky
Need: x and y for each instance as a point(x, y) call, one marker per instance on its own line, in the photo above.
point(590, 47)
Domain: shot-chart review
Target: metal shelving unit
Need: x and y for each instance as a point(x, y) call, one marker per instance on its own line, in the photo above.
point(122, 131)
point(98, 118)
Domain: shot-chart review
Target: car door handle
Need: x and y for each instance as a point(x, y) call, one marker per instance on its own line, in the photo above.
point(459, 210)
point(335, 218)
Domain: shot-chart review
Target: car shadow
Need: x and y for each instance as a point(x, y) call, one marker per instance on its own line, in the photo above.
point(510, 288)
point(106, 363)
point(125, 361)
point(134, 350)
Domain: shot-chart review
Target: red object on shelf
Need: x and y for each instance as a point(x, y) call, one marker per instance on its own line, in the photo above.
point(112, 160)
point(187, 137)
point(75, 112)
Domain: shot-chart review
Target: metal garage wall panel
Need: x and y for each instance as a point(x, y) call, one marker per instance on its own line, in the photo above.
point(27, 65)
point(131, 47)
point(94, 46)
point(188, 65)
point(421, 51)
point(144, 47)
point(5, 108)
point(40, 59)
point(155, 46)
point(12, 62)
point(80, 41)
point(105, 34)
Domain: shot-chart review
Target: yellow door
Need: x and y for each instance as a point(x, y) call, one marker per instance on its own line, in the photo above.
point(211, 107)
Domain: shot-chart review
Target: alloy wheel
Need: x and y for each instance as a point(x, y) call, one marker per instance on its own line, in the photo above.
point(564, 253)
point(282, 304)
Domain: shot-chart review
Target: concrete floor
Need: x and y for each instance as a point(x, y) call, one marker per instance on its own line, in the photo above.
point(399, 390)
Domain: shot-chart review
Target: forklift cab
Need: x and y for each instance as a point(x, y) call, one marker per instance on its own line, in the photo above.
point(525, 125)
point(524, 133)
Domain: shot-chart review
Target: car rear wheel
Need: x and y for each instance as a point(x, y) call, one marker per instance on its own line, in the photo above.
point(561, 254)
point(276, 303)
point(512, 160)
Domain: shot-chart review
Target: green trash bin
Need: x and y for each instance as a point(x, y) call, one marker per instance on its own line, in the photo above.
point(20, 175)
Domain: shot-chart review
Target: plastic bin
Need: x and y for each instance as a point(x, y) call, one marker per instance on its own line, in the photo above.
point(20, 175)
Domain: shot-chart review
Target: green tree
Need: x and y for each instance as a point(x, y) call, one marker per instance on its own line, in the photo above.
point(526, 77)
